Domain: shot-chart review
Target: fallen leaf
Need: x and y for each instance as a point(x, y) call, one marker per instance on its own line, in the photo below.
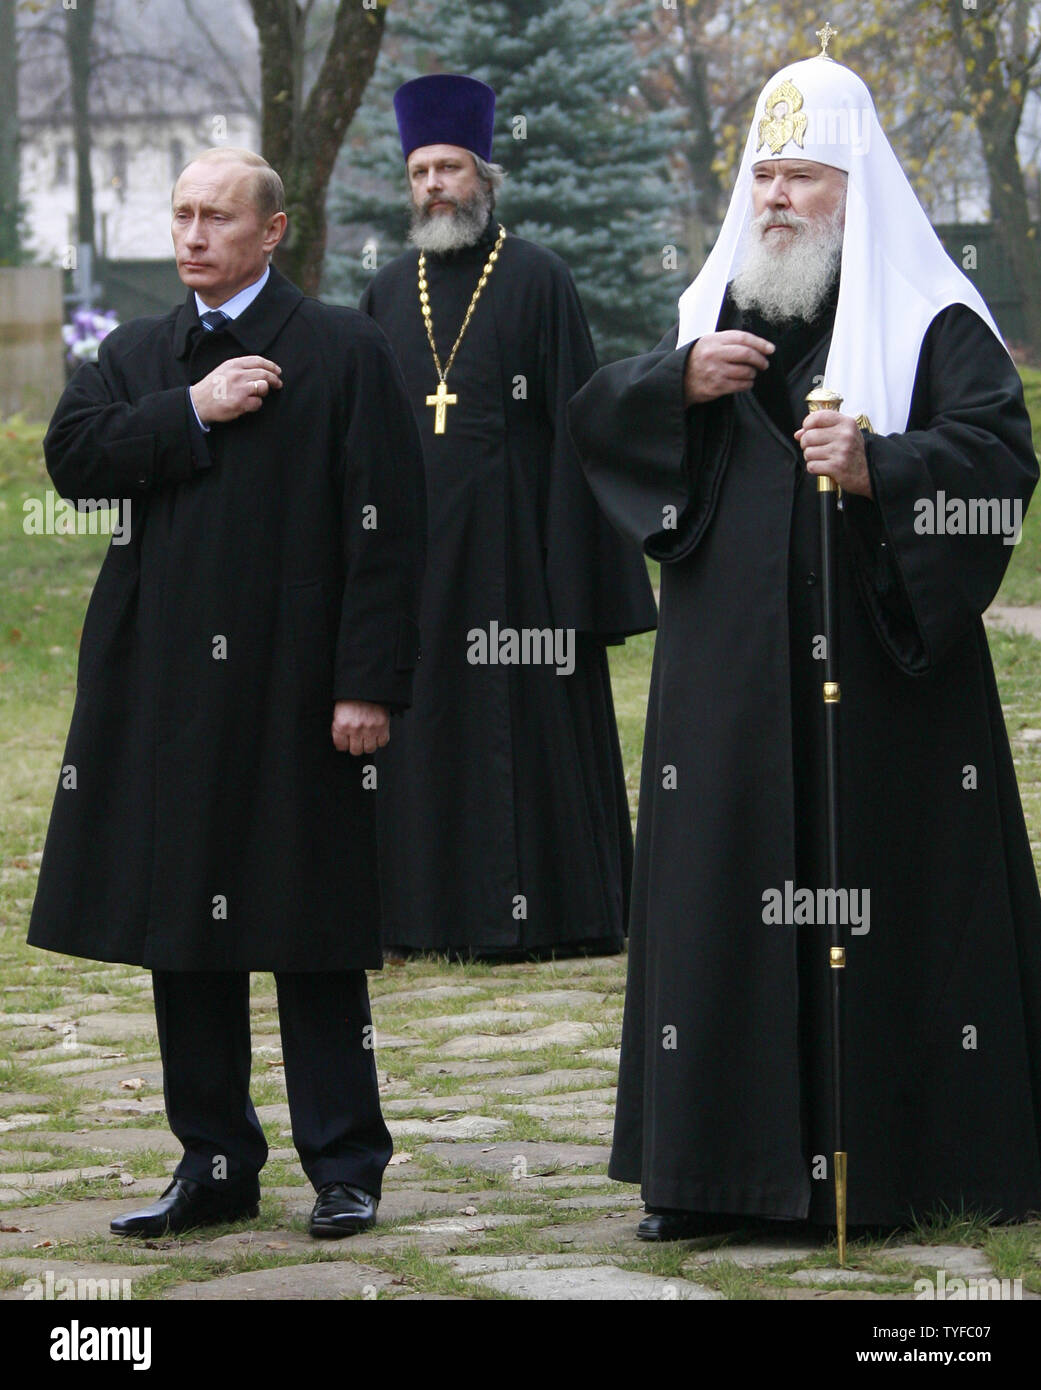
point(467, 1211)
point(400, 1158)
point(276, 1245)
point(275, 1062)
point(132, 1083)
point(43, 1244)
point(21, 1229)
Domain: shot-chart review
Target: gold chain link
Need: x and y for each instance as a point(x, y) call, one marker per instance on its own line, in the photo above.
point(424, 304)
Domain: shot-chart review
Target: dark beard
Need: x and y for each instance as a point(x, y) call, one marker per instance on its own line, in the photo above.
point(441, 232)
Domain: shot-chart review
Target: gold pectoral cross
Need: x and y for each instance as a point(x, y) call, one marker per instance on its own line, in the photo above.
point(440, 401)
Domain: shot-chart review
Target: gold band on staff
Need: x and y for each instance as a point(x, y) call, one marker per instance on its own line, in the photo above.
point(840, 1205)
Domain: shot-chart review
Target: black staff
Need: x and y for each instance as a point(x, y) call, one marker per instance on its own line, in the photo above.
point(828, 494)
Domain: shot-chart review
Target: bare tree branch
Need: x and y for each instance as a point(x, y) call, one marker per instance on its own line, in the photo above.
point(230, 64)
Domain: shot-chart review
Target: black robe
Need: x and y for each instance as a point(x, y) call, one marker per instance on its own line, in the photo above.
point(504, 824)
point(212, 824)
point(731, 1112)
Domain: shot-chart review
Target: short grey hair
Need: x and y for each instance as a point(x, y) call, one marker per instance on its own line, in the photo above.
point(267, 191)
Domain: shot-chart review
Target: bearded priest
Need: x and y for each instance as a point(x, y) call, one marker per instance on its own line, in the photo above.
point(826, 271)
point(502, 805)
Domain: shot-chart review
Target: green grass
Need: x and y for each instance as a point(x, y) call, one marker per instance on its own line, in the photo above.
point(1022, 583)
point(630, 677)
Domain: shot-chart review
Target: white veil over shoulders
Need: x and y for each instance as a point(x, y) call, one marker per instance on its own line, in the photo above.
point(896, 276)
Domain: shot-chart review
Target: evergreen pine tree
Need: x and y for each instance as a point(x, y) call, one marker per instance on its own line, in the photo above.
point(586, 163)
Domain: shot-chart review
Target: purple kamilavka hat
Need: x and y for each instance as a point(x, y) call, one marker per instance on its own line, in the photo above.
point(446, 109)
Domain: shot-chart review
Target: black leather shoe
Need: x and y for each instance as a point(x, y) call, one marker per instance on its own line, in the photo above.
point(684, 1225)
point(340, 1210)
point(186, 1204)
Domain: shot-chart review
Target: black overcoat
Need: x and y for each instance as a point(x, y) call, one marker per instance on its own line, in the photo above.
point(274, 567)
point(503, 811)
point(730, 1113)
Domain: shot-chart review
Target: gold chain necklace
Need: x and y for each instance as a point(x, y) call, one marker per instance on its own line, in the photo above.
point(441, 399)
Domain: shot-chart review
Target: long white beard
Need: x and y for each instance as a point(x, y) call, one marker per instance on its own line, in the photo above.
point(441, 232)
point(789, 280)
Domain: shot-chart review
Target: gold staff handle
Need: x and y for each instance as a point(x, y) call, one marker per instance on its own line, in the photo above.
point(822, 399)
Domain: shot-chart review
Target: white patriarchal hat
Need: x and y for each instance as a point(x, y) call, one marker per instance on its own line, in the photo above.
point(896, 276)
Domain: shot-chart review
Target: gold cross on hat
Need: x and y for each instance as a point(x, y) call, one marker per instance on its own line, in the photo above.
point(826, 35)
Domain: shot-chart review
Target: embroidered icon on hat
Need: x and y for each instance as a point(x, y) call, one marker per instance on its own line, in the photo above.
point(775, 129)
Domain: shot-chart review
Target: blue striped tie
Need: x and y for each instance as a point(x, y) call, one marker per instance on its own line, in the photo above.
point(216, 318)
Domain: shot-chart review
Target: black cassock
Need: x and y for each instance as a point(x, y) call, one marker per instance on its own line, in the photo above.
point(724, 1096)
point(211, 824)
point(504, 824)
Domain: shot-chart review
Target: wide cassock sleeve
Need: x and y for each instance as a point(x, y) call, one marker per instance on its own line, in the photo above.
point(102, 445)
point(384, 529)
point(653, 463)
point(966, 463)
point(596, 577)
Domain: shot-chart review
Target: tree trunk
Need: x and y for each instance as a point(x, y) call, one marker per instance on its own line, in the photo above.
point(301, 139)
point(1010, 212)
point(10, 161)
point(707, 201)
point(79, 26)
point(997, 111)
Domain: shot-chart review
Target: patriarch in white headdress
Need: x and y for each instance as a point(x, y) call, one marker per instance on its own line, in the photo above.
point(895, 275)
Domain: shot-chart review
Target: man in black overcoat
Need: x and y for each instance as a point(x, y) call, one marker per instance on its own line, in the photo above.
point(827, 271)
point(239, 662)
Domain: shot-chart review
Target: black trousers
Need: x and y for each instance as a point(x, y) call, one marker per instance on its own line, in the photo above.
point(330, 1071)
